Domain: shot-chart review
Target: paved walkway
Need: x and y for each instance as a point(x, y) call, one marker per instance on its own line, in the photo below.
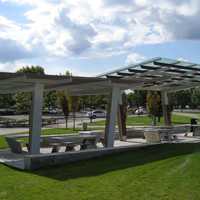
point(7, 131)
point(192, 115)
point(11, 159)
point(79, 122)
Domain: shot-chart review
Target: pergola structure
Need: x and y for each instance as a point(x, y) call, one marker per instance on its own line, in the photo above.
point(157, 74)
point(37, 84)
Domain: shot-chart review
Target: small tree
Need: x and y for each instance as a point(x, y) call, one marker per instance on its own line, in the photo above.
point(195, 98)
point(74, 102)
point(64, 104)
point(50, 99)
point(23, 102)
point(63, 99)
point(154, 105)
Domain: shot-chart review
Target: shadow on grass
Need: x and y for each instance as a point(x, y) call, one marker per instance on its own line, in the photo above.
point(119, 161)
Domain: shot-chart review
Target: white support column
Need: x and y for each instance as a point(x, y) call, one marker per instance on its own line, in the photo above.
point(120, 99)
point(36, 119)
point(165, 98)
point(112, 116)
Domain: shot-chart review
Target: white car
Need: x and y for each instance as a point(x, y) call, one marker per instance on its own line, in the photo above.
point(140, 111)
point(96, 114)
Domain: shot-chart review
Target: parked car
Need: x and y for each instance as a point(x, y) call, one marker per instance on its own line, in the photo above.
point(131, 111)
point(96, 114)
point(54, 111)
point(140, 111)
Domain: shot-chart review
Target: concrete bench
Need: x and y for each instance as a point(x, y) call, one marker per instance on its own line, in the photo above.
point(15, 146)
point(85, 141)
point(152, 136)
point(53, 141)
point(55, 147)
point(69, 146)
point(196, 130)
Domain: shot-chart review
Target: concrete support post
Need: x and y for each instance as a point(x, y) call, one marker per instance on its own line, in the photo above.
point(165, 108)
point(112, 116)
point(36, 118)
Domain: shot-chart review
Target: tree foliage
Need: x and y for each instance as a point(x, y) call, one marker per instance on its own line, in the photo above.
point(154, 105)
point(23, 99)
point(137, 98)
point(63, 98)
point(31, 69)
point(94, 102)
point(7, 101)
point(74, 102)
point(50, 100)
point(182, 98)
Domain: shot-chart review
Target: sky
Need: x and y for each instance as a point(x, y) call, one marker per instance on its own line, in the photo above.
point(90, 37)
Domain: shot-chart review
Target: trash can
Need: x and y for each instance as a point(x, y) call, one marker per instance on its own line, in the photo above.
point(193, 122)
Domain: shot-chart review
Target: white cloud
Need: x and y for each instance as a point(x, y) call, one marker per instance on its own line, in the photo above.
point(4, 67)
point(12, 50)
point(100, 28)
point(183, 59)
point(134, 58)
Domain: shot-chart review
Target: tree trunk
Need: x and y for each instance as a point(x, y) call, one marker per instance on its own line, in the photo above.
point(122, 122)
point(90, 119)
point(154, 121)
point(74, 121)
point(66, 122)
point(169, 116)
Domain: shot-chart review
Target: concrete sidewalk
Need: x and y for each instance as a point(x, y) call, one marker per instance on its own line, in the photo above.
point(7, 131)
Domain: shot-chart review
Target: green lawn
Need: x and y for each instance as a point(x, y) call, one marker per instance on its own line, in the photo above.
point(169, 171)
point(53, 131)
point(145, 120)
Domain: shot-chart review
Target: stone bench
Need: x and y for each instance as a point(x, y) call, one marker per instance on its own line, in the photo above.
point(152, 136)
point(196, 130)
point(15, 146)
point(53, 141)
point(85, 141)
